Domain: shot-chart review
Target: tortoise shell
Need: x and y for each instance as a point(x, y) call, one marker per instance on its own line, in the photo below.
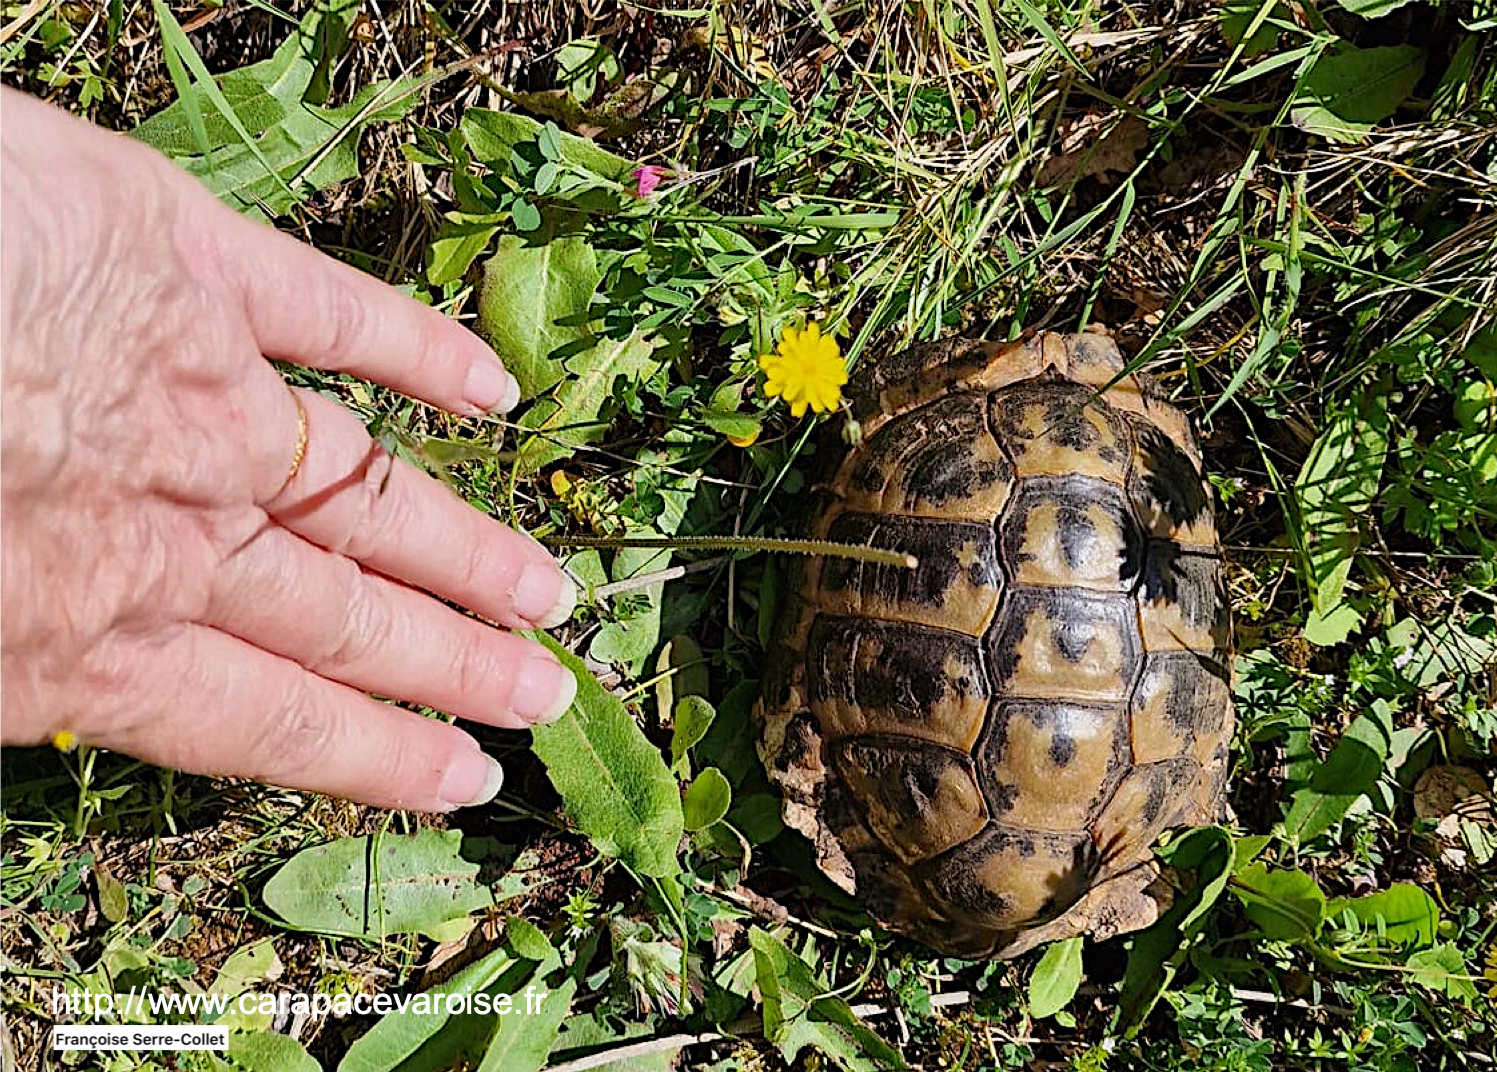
point(984, 749)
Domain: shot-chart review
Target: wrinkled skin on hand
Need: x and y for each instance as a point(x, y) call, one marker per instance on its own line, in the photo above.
point(167, 591)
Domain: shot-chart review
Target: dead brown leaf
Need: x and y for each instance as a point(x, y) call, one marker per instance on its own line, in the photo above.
point(1094, 144)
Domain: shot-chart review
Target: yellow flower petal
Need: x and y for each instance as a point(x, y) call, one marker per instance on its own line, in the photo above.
point(806, 370)
point(64, 740)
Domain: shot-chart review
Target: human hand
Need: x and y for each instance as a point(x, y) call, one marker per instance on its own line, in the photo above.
point(183, 582)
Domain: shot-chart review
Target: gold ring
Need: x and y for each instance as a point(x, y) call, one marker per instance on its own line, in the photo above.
point(301, 442)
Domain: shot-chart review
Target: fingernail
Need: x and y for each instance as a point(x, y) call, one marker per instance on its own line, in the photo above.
point(545, 595)
point(473, 778)
point(490, 387)
point(544, 690)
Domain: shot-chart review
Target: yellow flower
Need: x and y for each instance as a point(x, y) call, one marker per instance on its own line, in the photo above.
point(805, 370)
point(64, 740)
point(1490, 973)
point(744, 441)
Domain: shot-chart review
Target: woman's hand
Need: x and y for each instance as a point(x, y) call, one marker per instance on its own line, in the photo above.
point(203, 568)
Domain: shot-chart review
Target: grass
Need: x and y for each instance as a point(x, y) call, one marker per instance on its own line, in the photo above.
point(1286, 213)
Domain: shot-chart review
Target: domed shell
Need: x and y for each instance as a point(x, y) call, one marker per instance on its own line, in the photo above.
point(985, 748)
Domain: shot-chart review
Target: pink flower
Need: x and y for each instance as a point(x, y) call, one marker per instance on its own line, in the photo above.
point(648, 177)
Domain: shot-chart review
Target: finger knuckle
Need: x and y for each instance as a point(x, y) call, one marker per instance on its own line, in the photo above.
point(364, 630)
point(344, 321)
point(301, 731)
point(476, 666)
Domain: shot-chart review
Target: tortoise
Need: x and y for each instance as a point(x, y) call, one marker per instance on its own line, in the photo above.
point(985, 748)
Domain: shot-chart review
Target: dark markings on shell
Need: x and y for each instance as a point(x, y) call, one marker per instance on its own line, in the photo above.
point(1000, 796)
point(1074, 621)
point(886, 666)
point(1163, 472)
point(927, 455)
point(1062, 749)
point(1086, 550)
point(1065, 416)
point(1197, 690)
point(935, 542)
point(952, 357)
point(800, 733)
point(1193, 581)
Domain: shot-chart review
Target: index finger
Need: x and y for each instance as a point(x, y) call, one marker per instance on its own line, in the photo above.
point(309, 309)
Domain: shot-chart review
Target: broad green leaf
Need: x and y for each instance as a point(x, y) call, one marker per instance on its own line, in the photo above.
point(375, 886)
point(1405, 913)
point(1347, 90)
point(591, 1034)
point(737, 425)
point(1286, 905)
point(260, 95)
point(264, 1051)
point(757, 817)
point(1158, 952)
point(693, 718)
point(528, 940)
point(1443, 970)
point(1055, 978)
point(428, 1032)
point(799, 1012)
point(462, 238)
point(1327, 629)
point(682, 671)
point(707, 799)
point(1336, 486)
point(1441, 652)
point(524, 1037)
point(568, 418)
point(244, 968)
point(114, 903)
point(1238, 17)
point(1372, 9)
point(493, 136)
point(613, 782)
point(581, 63)
point(1351, 770)
point(534, 302)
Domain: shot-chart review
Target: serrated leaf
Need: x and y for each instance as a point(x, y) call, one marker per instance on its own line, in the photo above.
point(1286, 904)
point(693, 718)
point(613, 782)
point(1443, 970)
point(1336, 485)
point(1348, 90)
point(533, 305)
point(375, 886)
point(799, 1012)
point(707, 799)
point(1055, 978)
point(1403, 913)
point(568, 418)
point(309, 148)
point(1351, 770)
